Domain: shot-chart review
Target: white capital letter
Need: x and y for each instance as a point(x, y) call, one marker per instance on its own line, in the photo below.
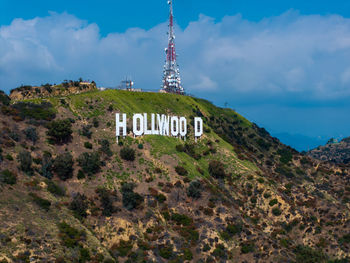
point(145, 126)
point(198, 127)
point(120, 124)
point(138, 118)
point(153, 125)
point(183, 126)
point(174, 126)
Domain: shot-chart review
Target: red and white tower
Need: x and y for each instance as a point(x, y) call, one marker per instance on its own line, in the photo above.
point(171, 73)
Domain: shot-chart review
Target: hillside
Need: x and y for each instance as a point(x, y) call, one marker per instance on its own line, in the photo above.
point(338, 153)
point(70, 193)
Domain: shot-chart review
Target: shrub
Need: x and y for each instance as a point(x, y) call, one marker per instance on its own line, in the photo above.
point(231, 230)
point(79, 205)
point(161, 198)
point(276, 211)
point(181, 219)
point(70, 236)
point(28, 110)
point(86, 131)
point(194, 190)
point(286, 155)
point(90, 163)
point(216, 169)
point(247, 247)
point(31, 134)
point(46, 165)
point(59, 131)
point(43, 203)
point(63, 166)
point(55, 189)
point(306, 254)
point(95, 122)
point(9, 157)
point(106, 201)
point(14, 136)
point(140, 146)
point(131, 199)
point(273, 202)
point(122, 249)
point(188, 254)
point(88, 145)
point(80, 175)
point(127, 154)
point(181, 170)
point(4, 99)
point(25, 161)
point(166, 251)
point(105, 147)
point(7, 177)
point(84, 255)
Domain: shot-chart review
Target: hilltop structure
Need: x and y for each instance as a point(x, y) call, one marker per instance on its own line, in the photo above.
point(171, 73)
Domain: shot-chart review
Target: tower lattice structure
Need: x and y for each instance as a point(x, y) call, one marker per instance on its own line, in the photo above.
point(171, 73)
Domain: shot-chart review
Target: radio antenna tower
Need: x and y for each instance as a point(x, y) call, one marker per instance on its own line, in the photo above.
point(171, 73)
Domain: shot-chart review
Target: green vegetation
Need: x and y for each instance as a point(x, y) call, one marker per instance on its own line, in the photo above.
point(55, 189)
point(306, 254)
point(216, 169)
point(70, 237)
point(25, 162)
point(131, 200)
point(63, 166)
point(90, 163)
point(59, 131)
point(88, 145)
point(43, 203)
point(7, 177)
point(127, 153)
point(181, 170)
point(194, 190)
point(79, 205)
point(31, 134)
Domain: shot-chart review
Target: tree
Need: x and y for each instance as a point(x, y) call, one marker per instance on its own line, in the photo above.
point(46, 165)
point(106, 201)
point(63, 166)
point(25, 161)
point(90, 162)
point(127, 154)
point(216, 169)
point(105, 147)
point(59, 131)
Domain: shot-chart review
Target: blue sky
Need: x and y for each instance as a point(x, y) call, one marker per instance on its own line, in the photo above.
point(283, 64)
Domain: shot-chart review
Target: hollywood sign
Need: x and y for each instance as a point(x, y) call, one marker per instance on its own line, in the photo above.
point(157, 124)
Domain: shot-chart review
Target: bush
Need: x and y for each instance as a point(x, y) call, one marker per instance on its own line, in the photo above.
point(25, 161)
point(194, 190)
point(273, 202)
point(43, 203)
point(84, 255)
point(79, 205)
point(55, 189)
point(131, 199)
point(276, 211)
point(4, 99)
point(90, 163)
point(28, 110)
point(106, 202)
point(7, 177)
point(306, 254)
point(140, 146)
point(46, 165)
point(166, 251)
point(286, 155)
point(105, 147)
point(80, 175)
point(63, 166)
point(86, 131)
point(127, 154)
point(31, 134)
point(87, 145)
point(181, 219)
point(231, 230)
point(181, 170)
point(70, 236)
point(247, 247)
point(59, 131)
point(95, 122)
point(216, 169)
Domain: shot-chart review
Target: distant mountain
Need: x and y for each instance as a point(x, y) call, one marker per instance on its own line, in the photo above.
point(300, 142)
point(333, 151)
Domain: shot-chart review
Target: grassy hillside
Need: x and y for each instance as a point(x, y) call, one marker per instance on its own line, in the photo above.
point(70, 193)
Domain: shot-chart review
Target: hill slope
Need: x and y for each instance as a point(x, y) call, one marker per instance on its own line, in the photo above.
point(333, 152)
point(70, 193)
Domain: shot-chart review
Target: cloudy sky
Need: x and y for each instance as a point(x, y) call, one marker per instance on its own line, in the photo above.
point(285, 66)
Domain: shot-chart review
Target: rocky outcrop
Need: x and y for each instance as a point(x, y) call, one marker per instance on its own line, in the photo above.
point(64, 89)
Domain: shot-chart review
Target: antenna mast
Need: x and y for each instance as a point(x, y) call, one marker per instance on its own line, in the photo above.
point(171, 73)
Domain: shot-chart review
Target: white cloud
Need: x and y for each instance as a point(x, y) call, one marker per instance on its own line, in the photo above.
point(299, 58)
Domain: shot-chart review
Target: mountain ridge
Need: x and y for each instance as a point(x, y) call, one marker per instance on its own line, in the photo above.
point(70, 193)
